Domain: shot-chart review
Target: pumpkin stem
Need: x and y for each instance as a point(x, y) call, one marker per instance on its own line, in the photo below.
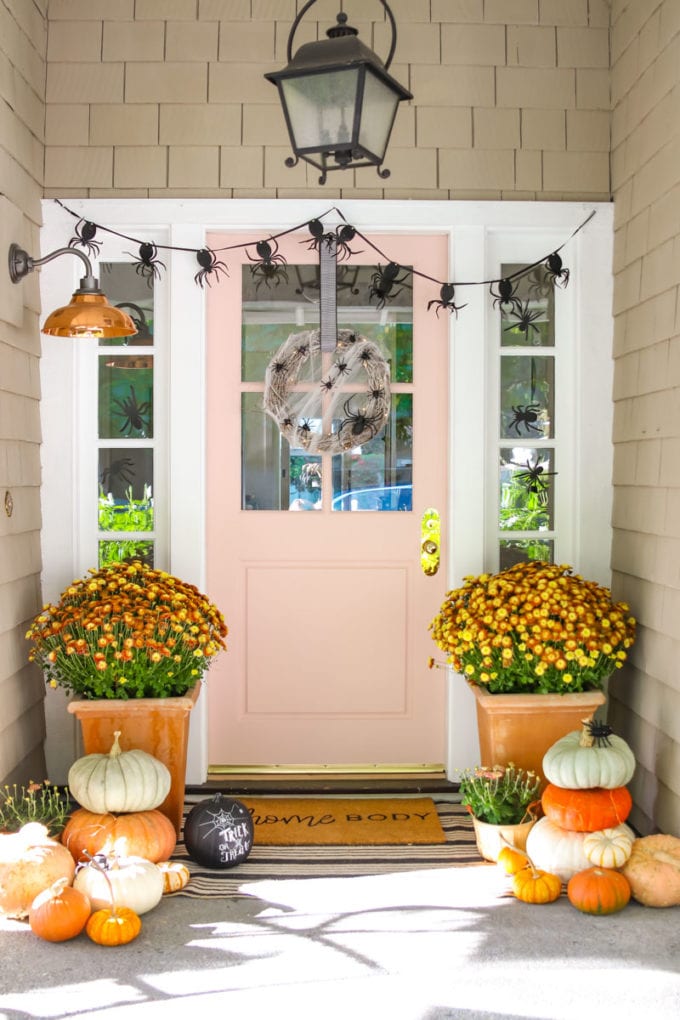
point(595, 733)
point(115, 747)
point(587, 739)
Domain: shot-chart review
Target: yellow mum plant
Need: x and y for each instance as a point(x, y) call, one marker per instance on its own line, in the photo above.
point(127, 631)
point(533, 628)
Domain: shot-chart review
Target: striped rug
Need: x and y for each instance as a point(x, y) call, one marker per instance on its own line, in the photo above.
point(286, 862)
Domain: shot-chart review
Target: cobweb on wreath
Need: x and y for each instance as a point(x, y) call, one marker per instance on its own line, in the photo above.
point(343, 400)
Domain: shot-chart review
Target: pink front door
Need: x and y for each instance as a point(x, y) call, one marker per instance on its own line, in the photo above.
point(328, 609)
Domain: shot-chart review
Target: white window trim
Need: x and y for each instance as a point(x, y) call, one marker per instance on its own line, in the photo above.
point(482, 234)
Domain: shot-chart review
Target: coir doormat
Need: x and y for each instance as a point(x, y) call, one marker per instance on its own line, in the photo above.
point(281, 863)
point(329, 821)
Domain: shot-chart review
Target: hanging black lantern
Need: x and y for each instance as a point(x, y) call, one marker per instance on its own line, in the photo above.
point(338, 99)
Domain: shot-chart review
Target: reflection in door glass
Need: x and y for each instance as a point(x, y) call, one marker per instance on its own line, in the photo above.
point(125, 489)
point(129, 290)
point(527, 489)
point(527, 397)
point(125, 396)
point(378, 475)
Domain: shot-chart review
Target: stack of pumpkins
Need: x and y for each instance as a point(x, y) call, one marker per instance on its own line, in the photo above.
point(584, 841)
point(583, 837)
point(113, 864)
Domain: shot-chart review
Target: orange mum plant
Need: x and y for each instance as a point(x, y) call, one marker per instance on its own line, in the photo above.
point(127, 631)
point(533, 628)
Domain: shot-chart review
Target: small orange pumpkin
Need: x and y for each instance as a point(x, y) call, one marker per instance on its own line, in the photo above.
point(175, 875)
point(114, 926)
point(531, 885)
point(598, 891)
point(586, 810)
point(59, 913)
point(147, 834)
point(512, 860)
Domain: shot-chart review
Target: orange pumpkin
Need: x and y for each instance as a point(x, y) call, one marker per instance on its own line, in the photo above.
point(586, 810)
point(531, 885)
point(598, 891)
point(113, 927)
point(59, 913)
point(512, 860)
point(146, 834)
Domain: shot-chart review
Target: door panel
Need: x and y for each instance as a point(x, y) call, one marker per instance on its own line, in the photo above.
point(327, 611)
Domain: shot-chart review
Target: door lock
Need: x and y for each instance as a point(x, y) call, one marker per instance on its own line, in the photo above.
point(430, 540)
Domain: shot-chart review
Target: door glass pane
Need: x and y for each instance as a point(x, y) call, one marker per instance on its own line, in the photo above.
point(527, 398)
point(272, 310)
point(116, 551)
point(526, 489)
point(524, 550)
point(125, 396)
point(125, 489)
point(378, 475)
point(531, 323)
point(127, 289)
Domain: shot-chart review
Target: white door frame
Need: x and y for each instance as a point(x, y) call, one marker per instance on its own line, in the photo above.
point(481, 234)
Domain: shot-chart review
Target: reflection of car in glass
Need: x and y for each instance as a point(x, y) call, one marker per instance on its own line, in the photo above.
point(386, 497)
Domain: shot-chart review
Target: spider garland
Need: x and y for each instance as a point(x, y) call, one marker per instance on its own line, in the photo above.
point(269, 266)
point(357, 418)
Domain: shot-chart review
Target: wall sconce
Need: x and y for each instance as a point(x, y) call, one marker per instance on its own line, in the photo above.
point(338, 99)
point(88, 314)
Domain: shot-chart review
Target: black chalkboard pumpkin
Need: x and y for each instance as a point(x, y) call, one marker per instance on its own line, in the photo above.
point(218, 832)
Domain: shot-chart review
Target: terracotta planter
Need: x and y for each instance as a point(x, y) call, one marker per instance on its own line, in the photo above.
point(519, 728)
point(159, 726)
point(492, 838)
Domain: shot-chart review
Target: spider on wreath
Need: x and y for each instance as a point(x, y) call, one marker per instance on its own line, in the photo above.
point(360, 421)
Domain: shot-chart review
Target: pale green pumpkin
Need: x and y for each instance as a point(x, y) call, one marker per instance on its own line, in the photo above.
point(589, 758)
point(120, 781)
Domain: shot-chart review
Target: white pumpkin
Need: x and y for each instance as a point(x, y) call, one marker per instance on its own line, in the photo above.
point(560, 851)
point(119, 782)
point(30, 861)
point(131, 882)
point(608, 848)
point(591, 757)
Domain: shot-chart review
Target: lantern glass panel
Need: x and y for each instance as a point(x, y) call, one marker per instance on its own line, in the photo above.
point(379, 109)
point(321, 108)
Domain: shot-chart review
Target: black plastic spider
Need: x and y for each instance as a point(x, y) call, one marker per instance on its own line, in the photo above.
point(382, 282)
point(279, 366)
point(525, 415)
point(344, 235)
point(319, 237)
point(304, 431)
point(534, 478)
point(525, 320)
point(132, 413)
point(341, 367)
point(148, 264)
point(506, 297)
point(84, 237)
point(445, 300)
point(360, 421)
point(365, 356)
point(556, 271)
point(120, 470)
point(269, 267)
point(302, 351)
point(327, 384)
point(210, 264)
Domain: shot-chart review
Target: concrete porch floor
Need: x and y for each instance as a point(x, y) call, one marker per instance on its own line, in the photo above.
point(420, 945)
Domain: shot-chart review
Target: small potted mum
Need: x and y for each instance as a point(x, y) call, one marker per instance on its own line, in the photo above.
point(504, 802)
point(132, 644)
point(536, 642)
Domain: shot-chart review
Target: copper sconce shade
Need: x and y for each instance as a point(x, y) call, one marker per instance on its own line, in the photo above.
point(88, 314)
